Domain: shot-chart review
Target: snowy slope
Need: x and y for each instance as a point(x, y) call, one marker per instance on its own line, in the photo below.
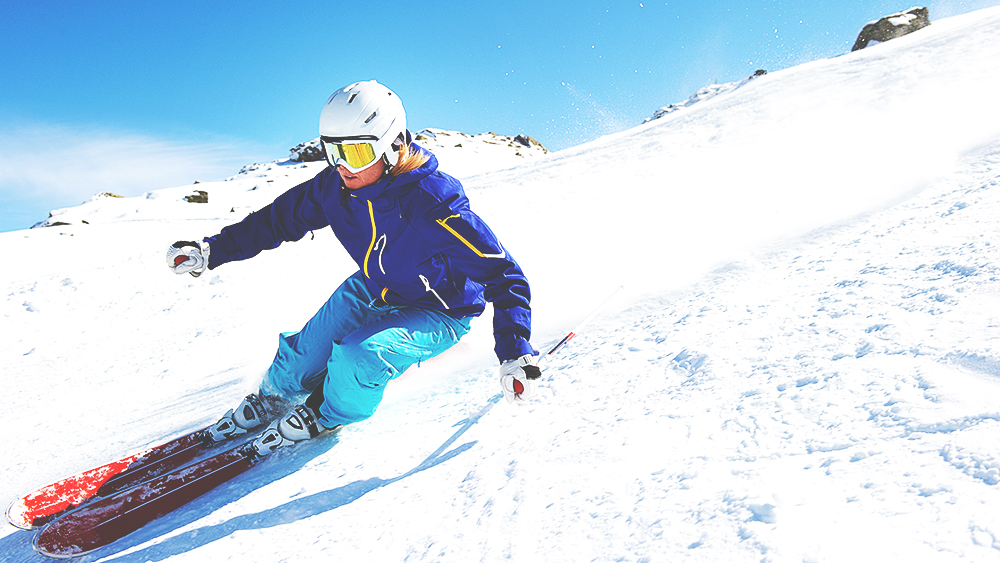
point(704, 94)
point(804, 368)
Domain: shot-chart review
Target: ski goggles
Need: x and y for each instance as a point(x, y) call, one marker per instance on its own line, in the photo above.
point(354, 153)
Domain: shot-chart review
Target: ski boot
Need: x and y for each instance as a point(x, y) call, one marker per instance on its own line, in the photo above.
point(251, 413)
point(301, 423)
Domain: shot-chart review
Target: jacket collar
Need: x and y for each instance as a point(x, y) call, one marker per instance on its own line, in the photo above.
point(389, 182)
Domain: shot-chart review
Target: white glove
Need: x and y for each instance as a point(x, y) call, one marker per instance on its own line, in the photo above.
point(519, 378)
point(187, 257)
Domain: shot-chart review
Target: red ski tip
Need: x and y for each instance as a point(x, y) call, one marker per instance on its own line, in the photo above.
point(41, 506)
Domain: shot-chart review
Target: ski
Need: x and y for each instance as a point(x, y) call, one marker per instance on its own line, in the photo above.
point(47, 503)
point(104, 520)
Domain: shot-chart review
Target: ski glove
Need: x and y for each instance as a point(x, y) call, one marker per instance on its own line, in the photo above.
point(187, 257)
point(519, 378)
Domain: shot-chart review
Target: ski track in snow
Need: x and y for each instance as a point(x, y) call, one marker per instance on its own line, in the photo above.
point(827, 397)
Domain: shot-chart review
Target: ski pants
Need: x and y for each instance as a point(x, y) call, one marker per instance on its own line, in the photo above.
point(354, 345)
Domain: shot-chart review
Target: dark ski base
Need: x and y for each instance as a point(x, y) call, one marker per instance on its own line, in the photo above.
point(105, 520)
point(47, 503)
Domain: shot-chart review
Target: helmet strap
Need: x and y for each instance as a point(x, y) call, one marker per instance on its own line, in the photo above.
point(387, 168)
point(397, 145)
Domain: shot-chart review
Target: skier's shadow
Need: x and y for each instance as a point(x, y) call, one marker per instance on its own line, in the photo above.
point(291, 511)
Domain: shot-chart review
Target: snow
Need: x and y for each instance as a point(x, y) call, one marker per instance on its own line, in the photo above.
point(803, 367)
point(902, 19)
point(703, 94)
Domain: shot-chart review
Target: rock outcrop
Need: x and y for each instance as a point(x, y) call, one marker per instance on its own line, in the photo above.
point(309, 151)
point(892, 26)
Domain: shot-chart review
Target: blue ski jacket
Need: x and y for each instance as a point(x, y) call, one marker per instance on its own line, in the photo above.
point(415, 239)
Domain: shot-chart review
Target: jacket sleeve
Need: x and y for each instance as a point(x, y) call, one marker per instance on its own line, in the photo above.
point(472, 247)
point(288, 218)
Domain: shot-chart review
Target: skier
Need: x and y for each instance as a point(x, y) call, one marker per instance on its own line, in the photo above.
point(427, 266)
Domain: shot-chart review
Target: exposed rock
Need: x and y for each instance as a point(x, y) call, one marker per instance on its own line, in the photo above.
point(892, 26)
point(199, 196)
point(528, 141)
point(50, 222)
point(310, 151)
point(249, 168)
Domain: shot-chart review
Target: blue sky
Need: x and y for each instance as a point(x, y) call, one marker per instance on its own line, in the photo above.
point(132, 96)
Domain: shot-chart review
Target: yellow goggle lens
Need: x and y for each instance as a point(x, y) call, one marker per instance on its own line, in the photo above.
point(356, 155)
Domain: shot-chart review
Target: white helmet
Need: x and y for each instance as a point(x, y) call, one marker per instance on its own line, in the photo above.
point(360, 123)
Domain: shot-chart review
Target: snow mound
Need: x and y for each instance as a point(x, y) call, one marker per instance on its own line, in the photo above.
point(704, 94)
point(463, 155)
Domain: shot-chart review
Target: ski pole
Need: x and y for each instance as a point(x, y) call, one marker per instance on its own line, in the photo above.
point(580, 326)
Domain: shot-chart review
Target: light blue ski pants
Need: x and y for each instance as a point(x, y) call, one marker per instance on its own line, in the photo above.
point(354, 345)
